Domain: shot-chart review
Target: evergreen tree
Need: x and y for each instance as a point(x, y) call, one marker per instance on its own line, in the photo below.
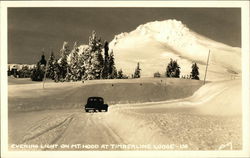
point(97, 64)
point(43, 60)
point(51, 66)
point(93, 59)
point(57, 72)
point(169, 68)
point(63, 64)
point(112, 72)
point(68, 75)
point(81, 66)
point(73, 71)
point(195, 72)
point(176, 71)
point(173, 69)
point(105, 70)
point(106, 50)
point(37, 73)
point(86, 59)
point(120, 74)
point(137, 73)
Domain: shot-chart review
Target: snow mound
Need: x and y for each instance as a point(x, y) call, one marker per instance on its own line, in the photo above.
point(219, 98)
point(154, 43)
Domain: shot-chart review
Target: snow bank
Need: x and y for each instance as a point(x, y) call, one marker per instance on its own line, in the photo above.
point(221, 98)
point(25, 97)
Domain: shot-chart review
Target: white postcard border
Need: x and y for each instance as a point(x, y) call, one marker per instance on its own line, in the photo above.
point(244, 5)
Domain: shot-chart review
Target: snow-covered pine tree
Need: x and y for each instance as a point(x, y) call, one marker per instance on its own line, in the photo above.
point(97, 64)
point(63, 64)
point(74, 64)
point(51, 66)
point(93, 59)
point(173, 69)
point(57, 72)
point(195, 72)
point(105, 70)
point(169, 68)
point(137, 73)
point(176, 70)
point(86, 59)
point(112, 72)
point(81, 65)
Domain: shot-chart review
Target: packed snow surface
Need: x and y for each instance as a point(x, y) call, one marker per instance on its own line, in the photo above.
point(154, 43)
point(190, 119)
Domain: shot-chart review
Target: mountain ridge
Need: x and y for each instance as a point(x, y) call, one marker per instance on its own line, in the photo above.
point(173, 39)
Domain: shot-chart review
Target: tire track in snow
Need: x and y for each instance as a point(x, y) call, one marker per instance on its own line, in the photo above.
point(60, 135)
point(38, 124)
point(73, 134)
point(103, 126)
point(47, 130)
point(89, 128)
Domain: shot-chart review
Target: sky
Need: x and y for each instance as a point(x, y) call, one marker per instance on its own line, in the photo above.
point(30, 30)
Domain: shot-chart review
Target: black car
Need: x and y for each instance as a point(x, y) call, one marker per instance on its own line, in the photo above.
point(96, 104)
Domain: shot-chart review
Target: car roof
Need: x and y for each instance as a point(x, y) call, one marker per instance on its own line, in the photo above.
point(95, 98)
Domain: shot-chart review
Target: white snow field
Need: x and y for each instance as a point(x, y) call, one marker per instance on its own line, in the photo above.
point(151, 113)
point(154, 43)
point(185, 120)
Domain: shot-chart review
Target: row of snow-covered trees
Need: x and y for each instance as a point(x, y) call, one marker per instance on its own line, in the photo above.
point(173, 71)
point(95, 61)
point(88, 64)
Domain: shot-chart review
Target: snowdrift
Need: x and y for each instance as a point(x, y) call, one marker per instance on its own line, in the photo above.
point(28, 97)
point(154, 43)
point(221, 98)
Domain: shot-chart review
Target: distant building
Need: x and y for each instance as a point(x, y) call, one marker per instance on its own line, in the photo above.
point(20, 66)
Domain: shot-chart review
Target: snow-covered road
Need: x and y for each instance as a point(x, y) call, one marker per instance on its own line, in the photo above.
point(190, 123)
point(118, 126)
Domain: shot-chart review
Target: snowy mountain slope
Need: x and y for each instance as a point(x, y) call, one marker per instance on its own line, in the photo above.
point(154, 43)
